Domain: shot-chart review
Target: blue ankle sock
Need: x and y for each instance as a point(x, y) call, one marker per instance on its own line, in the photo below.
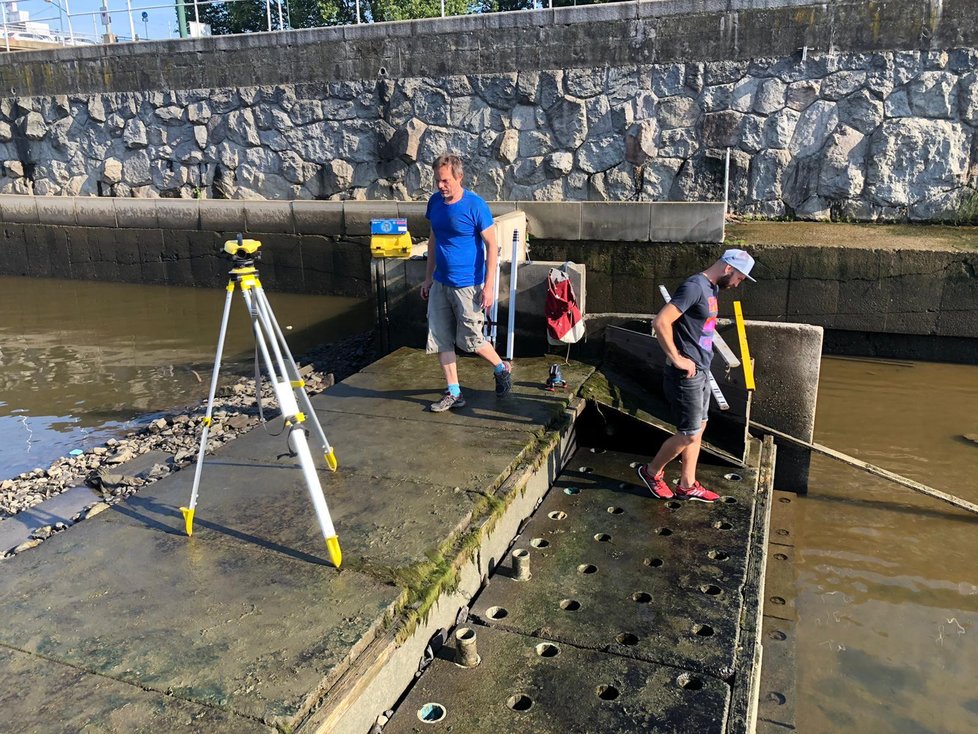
point(501, 367)
point(454, 389)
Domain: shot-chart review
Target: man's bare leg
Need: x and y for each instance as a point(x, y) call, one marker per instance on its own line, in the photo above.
point(449, 366)
point(670, 449)
point(691, 455)
point(489, 353)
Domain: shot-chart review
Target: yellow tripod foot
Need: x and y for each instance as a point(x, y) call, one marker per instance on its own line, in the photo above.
point(333, 548)
point(188, 519)
point(331, 460)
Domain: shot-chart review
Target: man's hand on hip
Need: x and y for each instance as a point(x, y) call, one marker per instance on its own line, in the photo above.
point(425, 289)
point(685, 364)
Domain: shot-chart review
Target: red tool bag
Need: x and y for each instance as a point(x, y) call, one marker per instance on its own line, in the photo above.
point(565, 325)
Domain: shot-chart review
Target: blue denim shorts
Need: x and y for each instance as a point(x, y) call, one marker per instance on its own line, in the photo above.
point(689, 398)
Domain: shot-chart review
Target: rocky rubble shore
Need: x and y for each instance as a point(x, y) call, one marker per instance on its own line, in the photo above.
point(174, 438)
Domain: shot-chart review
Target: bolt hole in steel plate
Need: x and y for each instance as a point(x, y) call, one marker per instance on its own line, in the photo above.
point(665, 532)
point(689, 682)
point(602, 538)
point(702, 630)
point(547, 650)
point(627, 639)
point(599, 451)
point(587, 568)
point(722, 525)
point(585, 469)
point(571, 490)
point(557, 515)
point(653, 562)
point(615, 511)
point(718, 555)
point(539, 543)
point(607, 693)
point(496, 612)
point(570, 605)
point(431, 713)
point(520, 702)
point(642, 597)
point(732, 477)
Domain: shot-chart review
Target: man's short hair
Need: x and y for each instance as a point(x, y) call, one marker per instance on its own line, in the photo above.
point(451, 160)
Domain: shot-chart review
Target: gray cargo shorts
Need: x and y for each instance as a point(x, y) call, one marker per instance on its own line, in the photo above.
point(455, 316)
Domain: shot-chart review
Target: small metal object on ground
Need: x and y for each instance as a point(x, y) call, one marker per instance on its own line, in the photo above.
point(521, 564)
point(466, 652)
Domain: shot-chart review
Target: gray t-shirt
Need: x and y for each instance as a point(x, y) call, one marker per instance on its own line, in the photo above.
point(693, 331)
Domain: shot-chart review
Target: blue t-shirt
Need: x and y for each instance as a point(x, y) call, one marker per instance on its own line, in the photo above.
point(460, 258)
point(693, 331)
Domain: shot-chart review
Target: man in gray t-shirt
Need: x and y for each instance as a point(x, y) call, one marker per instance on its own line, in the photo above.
point(685, 328)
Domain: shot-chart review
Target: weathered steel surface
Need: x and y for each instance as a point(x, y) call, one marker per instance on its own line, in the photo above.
point(614, 569)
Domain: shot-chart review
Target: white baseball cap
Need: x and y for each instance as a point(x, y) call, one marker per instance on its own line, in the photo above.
point(739, 260)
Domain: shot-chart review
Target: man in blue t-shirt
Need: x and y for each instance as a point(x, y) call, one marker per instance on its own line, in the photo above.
point(459, 283)
point(685, 328)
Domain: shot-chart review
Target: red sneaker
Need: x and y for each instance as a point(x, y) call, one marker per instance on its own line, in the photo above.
point(697, 493)
point(657, 484)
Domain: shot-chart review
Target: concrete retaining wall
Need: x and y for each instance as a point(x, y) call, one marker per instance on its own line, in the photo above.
point(851, 109)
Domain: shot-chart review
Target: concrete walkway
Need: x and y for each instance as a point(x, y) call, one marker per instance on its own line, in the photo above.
point(123, 623)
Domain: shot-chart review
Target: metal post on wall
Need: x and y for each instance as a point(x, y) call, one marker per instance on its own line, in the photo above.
point(132, 26)
point(268, 13)
point(726, 183)
point(358, 12)
point(6, 35)
point(71, 33)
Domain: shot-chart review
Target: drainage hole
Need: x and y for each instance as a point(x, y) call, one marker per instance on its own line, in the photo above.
point(627, 638)
point(689, 682)
point(711, 589)
point(520, 702)
point(653, 562)
point(732, 477)
point(642, 597)
point(777, 600)
point(431, 713)
point(557, 515)
point(587, 568)
point(722, 525)
point(663, 531)
point(780, 557)
point(572, 490)
point(784, 500)
point(615, 510)
point(496, 612)
point(539, 543)
point(717, 555)
point(776, 698)
point(465, 633)
point(570, 605)
point(727, 499)
point(673, 505)
point(585, 469)
point(602, 538)
point(778, 635)
point(702, 630)
point(547, 650)
point(782, 532)
point(607, 693)
point(599, 451)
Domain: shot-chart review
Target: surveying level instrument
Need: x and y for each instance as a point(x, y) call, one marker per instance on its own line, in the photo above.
point(288, 385)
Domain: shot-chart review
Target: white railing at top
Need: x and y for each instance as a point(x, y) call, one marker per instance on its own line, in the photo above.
point(102, 19)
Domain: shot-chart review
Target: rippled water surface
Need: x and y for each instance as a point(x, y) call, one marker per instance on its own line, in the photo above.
point(81, 361)
point(887, 598)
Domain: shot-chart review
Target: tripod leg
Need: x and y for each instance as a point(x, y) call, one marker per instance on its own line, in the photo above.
point(188, 512)
point(262, 323)
point(292, 371)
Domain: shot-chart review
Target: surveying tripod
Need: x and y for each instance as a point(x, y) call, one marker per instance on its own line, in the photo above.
point(286, 382)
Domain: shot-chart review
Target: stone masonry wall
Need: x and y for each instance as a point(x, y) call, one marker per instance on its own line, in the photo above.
point(858, 134)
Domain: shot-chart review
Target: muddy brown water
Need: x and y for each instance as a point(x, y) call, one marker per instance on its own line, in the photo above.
point(887, 602)
point(81, 361)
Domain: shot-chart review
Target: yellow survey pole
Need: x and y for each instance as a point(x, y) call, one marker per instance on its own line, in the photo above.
point(744, 351)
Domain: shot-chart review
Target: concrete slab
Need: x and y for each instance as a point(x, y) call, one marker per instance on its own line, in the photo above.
point(379, 390)
point(224, 625)
point(613, 569)
point(525, 685)
point(45, 696)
